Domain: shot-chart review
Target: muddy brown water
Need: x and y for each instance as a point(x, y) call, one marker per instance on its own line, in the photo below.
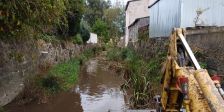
point(98, 90)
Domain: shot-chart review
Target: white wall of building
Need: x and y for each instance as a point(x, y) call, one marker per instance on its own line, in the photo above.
point(93, 39)
point(135, 9)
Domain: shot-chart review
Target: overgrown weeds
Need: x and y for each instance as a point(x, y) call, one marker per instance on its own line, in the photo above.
point(142, 76)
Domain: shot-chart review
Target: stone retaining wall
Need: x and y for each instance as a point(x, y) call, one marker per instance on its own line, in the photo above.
point(27, 58)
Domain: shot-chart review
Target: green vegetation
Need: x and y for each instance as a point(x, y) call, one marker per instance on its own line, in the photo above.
point(141, 75)
point(18, 17)
point(201, 58)
point(56, 20)
point(78, 39)
point(60, 77)
point(48, 38)
point(2, 109)
point(45, 19)
point(203, 65)
point(64, 75)
point(95, 10)
point(101, 29)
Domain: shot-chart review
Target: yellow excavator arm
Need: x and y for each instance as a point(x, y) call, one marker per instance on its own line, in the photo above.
point(184, 83)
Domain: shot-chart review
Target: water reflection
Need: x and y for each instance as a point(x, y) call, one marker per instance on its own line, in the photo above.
point(100, 89)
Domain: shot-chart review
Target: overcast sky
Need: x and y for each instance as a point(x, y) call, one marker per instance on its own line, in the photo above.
point(119, 0)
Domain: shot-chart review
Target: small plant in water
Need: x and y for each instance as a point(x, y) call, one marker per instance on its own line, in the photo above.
point(51, 83)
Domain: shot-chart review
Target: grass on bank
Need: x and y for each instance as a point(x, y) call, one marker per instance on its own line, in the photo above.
point(142, 76)
point(60, 77)
point(63, 76)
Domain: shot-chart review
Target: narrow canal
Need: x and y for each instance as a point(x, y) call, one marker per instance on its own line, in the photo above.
point(98, 90)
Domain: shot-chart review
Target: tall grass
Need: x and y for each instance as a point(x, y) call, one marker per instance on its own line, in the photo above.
point(142, 76)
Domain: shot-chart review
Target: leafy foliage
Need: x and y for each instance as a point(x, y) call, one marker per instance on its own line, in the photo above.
point(95, 10)
point(74, 16)
point(60, 19)
point(19, 18)
point(85, 31)
point(115, 17)
point(101, 29)
point(19, 15)
point(78, 39)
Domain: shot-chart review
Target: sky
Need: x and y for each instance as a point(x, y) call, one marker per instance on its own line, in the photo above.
point(113, 1)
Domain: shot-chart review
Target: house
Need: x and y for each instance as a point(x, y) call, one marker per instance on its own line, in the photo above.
point(93, 39)
point(137, 28)
point(168, 14)
point(135, 9)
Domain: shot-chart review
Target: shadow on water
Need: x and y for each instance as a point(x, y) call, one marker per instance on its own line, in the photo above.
point(98, 90)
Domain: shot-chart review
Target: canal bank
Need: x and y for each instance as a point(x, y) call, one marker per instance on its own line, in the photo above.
point(97, 90)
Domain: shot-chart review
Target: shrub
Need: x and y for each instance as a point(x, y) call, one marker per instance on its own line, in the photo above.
point(2, 109)
point(29, 16)
point(101, 29)
point(77, 39)
point(51, 83)
point(85, 31)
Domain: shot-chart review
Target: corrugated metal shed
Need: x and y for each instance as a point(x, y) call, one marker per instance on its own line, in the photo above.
point(167, 14)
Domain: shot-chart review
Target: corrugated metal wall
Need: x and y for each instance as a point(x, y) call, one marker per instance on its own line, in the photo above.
point(163, 17)
point(167, 14)
point(213, 13)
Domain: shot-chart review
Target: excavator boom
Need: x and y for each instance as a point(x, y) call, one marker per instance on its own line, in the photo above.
point(184, 83)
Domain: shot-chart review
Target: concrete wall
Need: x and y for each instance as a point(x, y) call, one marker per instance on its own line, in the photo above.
point(20, 60)
point(208, 42)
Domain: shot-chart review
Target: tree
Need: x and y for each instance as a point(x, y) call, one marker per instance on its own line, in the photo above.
point(19, 16)
point(95, 10)
point(85, 31)
point(74, 16)
point(101, 29)
point(114, 18)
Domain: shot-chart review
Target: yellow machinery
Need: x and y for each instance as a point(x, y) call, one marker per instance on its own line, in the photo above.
point(184, 83)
